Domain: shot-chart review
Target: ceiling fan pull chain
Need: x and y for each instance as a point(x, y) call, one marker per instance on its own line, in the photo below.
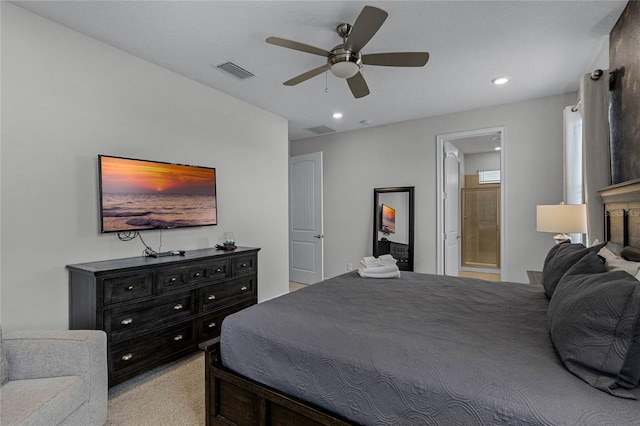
point(326, 83)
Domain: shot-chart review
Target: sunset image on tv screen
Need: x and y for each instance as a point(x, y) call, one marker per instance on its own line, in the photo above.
point(139, 194)
point(388, 219)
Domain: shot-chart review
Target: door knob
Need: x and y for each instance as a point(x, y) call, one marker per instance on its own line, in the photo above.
point(317, 236)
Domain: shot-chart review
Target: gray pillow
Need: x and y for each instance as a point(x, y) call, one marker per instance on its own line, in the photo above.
point(593, 319)
point(559, 260)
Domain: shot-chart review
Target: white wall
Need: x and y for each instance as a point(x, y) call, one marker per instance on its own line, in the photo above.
point(404, 154)
point(602, 58)
point(481, 162)
point(67, 98)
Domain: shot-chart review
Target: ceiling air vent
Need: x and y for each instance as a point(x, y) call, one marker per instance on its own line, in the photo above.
point(321, 130)
point(235, 70)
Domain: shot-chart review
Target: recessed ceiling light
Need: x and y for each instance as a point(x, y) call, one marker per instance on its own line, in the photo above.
point(497, 148)
point(337, 115)
point(500, 80)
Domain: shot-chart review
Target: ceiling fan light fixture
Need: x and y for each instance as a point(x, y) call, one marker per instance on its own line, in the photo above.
point(344, 62)
point(344, 69)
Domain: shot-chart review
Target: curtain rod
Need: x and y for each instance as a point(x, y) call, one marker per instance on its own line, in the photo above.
point(576, 106)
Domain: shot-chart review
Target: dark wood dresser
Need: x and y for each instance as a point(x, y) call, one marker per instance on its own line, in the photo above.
point(155, 310)
point(399, 251)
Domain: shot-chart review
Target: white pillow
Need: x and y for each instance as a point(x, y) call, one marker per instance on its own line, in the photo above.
point(617, 263)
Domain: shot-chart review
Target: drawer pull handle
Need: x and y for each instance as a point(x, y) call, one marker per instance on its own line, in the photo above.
point(130, 288)
point(196, 275)
point(211, 297)
point(127, 357)
point(211, 324)
point(178, 307)
point(244, 265)
point(219, 270)
point(126, 321)
point(178, 337)
point(172, 280)
point(243, 288)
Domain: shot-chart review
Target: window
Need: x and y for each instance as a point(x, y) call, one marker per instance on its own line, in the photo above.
point(489, 176)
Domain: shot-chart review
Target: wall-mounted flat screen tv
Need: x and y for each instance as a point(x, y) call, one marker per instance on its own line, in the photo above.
point(139, 194)
point(388, 223)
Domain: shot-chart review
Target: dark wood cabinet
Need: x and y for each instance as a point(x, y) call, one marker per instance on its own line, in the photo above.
point(399, 251)
point(155, 310)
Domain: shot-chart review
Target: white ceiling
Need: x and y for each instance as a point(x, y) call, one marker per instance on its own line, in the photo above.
point(543, 46)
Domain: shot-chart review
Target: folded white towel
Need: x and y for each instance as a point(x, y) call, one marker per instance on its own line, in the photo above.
point(379, 269)
point(387, 258)
point(384, 260)
point(363, 274)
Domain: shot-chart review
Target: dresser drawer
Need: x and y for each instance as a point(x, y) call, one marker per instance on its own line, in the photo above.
point(136, 353)
point(244, 265)
point(210, 324)
point(177, 278)
point(124, 322)
point(218, 295)
point(122, 288)
point(218, 270)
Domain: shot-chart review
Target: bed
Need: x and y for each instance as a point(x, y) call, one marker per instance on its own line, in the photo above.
point(427, 349)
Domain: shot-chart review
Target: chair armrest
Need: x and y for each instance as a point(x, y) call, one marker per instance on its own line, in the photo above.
point(40, 354)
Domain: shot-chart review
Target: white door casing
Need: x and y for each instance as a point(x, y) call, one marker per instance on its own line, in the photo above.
point(440, 199)
point(451, 203)
point(306, 264)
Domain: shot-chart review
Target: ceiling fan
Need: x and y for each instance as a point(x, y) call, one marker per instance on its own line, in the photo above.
point(346, 59)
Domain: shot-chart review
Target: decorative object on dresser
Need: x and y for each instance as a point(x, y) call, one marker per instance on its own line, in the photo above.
point(155, 310)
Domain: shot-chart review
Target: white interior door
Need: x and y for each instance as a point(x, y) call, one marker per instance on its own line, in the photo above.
point(306, 264)
point(451, 204)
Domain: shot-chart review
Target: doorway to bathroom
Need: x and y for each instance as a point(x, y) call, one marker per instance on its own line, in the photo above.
point(470, 205)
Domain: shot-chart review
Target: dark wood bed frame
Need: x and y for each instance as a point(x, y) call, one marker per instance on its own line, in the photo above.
point(232, 399)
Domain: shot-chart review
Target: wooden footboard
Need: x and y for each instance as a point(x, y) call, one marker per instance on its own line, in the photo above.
point(232, 399)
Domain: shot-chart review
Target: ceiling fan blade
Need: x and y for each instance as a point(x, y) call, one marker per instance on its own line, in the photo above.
point(397, 59)
point(290, 44)
point(358, 86)
point(307, 75)
point(368, 23)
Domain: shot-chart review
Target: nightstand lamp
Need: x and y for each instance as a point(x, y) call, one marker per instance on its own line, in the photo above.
point(562, 219)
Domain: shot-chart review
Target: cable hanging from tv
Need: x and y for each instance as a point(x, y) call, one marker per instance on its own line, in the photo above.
point(132, 235)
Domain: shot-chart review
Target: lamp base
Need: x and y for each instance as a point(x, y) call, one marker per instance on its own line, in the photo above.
point(562, 238)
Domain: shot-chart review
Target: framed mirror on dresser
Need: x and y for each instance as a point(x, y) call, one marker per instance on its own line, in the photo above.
point(393, 224)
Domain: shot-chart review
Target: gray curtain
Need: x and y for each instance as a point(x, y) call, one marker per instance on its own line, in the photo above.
point(594, 95)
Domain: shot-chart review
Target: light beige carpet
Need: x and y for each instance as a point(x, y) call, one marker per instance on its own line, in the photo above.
point(172, 394)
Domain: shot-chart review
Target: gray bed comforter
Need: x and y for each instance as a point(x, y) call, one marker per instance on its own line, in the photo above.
point(422, 349)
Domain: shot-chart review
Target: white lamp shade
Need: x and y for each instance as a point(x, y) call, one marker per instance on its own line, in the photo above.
point(567, 218)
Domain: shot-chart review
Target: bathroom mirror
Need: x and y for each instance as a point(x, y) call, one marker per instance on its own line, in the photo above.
point(393, 217)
